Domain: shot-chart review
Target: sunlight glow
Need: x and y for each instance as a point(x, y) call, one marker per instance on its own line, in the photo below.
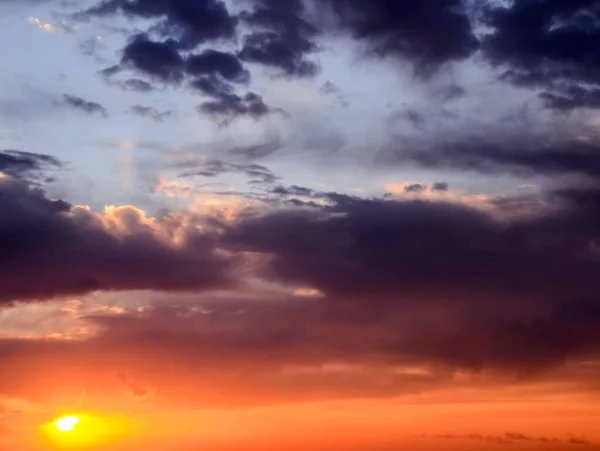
point(66, 424)
point(79, 430)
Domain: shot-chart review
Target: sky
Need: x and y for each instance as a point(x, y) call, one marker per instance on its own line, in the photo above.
point(300, 224)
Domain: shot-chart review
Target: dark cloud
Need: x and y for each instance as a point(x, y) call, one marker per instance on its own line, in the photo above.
point(410, 29)
point(517, 279)
point(551, 44)
point(190, 22)
point(399, 283)
point(258, 150)
point(212, 86)
point(229, 107)
point(20, 164)
point(283, 37)
point(440, 186)
point(209, 72)
point(293, 190)
point(149, 112)
point(135, 84)
point(214, 168)
point(267, 48)
point(414, 188)
point(524, 157)
point(160, 60)
point(214, 62)
point(50, 248)
point(83, 105)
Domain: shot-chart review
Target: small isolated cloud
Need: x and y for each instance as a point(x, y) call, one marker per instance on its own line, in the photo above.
point(77, 103)
point(214, 168)
point(135, 84)
point(149, 112)
point(414, 188)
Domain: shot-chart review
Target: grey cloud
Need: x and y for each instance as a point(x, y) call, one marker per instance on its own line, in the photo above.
point(86, 106)
point(149, 112)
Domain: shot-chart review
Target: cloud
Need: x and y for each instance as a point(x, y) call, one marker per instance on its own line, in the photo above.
point(214, 168)
point(293, 190)
point(160, 60)
point(135, 84)
point(414, 188)
point(215, 62)
point(83, 105)
point(404, 28)
point(283, 37)
point(384, 255)
point(528, 156)
point(149, 112)
point(189, 23)
point(517, 294)
point(229, 107)
point(440, 186)
point(51, 248)
point(548, 44)
point(20, 164)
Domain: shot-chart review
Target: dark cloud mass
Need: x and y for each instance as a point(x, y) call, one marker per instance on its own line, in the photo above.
point(410, 28)
point(116, 250)
point(521, 295)
point(84, 105)
point(283, 39)
point(223, 63)
point(518, 295)
point(549, 43)
point(160, 60)
point(191, 22)
point(523, 157)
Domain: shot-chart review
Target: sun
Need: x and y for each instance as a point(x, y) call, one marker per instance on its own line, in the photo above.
point(66, 424)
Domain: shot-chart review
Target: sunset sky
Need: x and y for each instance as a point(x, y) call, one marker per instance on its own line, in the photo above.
point(241, 225)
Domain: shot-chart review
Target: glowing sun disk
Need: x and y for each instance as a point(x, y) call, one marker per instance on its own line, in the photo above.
point(66, 424)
